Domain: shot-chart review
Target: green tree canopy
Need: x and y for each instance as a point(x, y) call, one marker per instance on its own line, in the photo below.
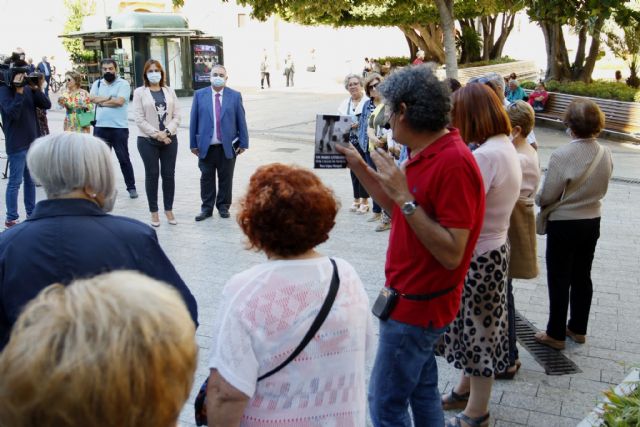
point(586, 18)
point(78, 9)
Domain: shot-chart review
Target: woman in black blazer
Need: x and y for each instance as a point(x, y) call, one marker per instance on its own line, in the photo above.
point(70, 235)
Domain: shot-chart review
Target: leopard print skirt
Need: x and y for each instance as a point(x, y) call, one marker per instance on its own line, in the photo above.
point(477, 341)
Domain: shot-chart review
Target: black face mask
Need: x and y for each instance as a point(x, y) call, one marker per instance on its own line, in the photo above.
point(109, 77)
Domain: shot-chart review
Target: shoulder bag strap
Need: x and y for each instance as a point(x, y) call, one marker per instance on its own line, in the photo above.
point(317, 323)
point(95, 110)
point(574, 185)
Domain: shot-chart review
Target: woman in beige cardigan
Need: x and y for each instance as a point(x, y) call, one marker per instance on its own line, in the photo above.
point(157, 115)
point(573, 225)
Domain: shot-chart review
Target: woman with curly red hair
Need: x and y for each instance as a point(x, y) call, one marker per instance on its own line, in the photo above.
point(267, 310)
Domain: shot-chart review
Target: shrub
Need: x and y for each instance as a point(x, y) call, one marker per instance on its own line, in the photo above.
point(622, 411)
point(596, 89)
point(396, 61)
point(502, 60)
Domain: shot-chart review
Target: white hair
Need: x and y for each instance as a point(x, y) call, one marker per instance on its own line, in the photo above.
point(69, 161)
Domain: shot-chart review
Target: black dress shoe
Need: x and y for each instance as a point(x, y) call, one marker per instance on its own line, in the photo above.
point(203, 215)
point(224, 214)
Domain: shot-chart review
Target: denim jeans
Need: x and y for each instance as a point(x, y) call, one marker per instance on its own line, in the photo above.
point(18, 173)
point(405, 374)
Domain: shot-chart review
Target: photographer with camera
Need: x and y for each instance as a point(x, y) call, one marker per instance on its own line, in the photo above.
point(20, 95)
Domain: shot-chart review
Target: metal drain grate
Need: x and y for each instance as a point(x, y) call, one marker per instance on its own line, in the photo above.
point(553, 361)
point(285, 150)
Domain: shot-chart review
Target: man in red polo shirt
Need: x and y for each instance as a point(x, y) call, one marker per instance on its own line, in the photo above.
point(436, 201)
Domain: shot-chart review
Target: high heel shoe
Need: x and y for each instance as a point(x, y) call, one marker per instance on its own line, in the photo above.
point(155, 221)
point(170, 218)
point(363, 209)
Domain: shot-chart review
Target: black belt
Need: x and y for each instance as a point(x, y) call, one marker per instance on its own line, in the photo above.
point(427, 297)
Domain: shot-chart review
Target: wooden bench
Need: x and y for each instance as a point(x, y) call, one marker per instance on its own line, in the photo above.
point(525, 70)
point(622, 119)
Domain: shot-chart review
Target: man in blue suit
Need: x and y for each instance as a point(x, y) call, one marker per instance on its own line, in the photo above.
point(217, 134)
point(45, 68)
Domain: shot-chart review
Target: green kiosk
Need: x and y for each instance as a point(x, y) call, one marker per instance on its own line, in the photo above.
point(134, 37)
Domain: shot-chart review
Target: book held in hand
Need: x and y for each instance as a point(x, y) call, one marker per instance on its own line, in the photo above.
point(331, 130)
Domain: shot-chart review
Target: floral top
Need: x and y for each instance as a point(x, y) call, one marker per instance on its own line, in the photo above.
point(75, 103)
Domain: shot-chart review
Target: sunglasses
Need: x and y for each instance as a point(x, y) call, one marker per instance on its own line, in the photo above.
point(373, 86)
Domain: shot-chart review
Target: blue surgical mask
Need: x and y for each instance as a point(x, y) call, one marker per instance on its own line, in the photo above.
point(217, 81)
point(154, 76)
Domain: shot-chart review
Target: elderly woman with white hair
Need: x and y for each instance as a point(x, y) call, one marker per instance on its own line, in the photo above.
point(110, 367)
point(70, 235)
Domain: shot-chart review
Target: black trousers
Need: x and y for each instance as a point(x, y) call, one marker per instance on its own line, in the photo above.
point(570, 249)
point(159, 160)
point(264, 74)
point(359, 192)
point(214, 163)
point(118, 139)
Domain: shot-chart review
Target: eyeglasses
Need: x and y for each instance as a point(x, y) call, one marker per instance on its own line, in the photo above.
point(374, 86)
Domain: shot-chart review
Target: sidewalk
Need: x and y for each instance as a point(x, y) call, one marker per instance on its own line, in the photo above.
point(281, 124)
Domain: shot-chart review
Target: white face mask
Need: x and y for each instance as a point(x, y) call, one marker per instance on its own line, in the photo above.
point(569, 133)
point(154, 76)
point(217, 81)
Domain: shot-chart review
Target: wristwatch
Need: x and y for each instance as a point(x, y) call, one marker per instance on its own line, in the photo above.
point(408, 208)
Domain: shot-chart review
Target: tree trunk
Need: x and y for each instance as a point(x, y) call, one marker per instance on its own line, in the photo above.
point(585, 72)
point(445, 9)
point(558, 67)
point(432, 36)
point(465, 55)
point(427, 38)
point(578, 62)
point(413, 49)
point(508, 21)
point(488, 23)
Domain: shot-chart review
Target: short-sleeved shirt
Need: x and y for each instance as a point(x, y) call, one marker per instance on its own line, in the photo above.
point(265, 313)
point(108, 117)
point(446, 182)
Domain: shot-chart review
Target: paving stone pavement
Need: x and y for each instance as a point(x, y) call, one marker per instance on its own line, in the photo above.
point(281, 125)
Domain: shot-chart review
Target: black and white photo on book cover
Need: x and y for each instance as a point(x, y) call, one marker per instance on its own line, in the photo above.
point(331, 130)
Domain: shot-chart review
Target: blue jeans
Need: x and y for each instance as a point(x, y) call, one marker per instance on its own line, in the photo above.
point(17, 173)
point(405, 374)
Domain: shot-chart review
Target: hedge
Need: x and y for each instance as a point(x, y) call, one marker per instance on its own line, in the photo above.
point(597, 89)
point(502, 60)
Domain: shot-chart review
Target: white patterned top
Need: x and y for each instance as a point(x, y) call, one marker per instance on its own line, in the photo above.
point(266, 312)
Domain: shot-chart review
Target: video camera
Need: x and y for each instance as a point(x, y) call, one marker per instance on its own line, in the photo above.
point(14, 66)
